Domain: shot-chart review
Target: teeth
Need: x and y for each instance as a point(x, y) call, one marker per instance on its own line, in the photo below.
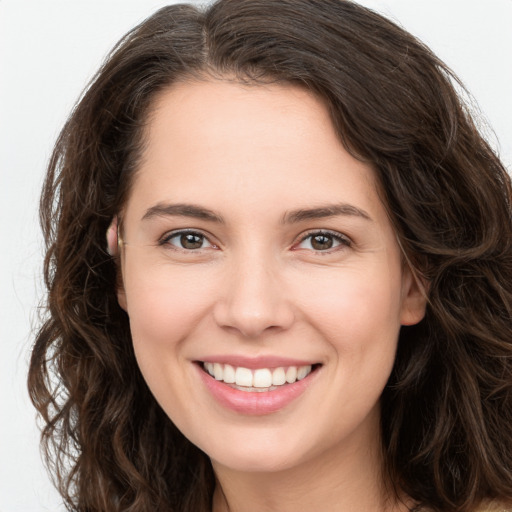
point(243, 377)
point(291, 374)
point(278, 377)
point(229, 374)
point(260, 378)
point(218, 371)
point(303, 371)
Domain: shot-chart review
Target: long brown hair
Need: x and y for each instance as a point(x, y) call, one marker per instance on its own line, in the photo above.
point(447, 409)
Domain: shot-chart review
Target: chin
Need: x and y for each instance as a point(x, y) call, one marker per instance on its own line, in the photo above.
point(256, 462)
point(258, 452)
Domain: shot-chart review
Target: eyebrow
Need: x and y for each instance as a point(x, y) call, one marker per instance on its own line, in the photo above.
point(292, 217)
point(323, 212)
point(182, 210)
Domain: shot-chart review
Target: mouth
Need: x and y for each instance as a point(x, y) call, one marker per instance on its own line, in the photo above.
point(257, 380)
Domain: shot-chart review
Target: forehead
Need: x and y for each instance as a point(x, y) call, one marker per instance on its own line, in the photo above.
point(272, 144)
point(231, 113)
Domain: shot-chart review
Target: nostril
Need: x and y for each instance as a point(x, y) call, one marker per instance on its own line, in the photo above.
point(253, 322)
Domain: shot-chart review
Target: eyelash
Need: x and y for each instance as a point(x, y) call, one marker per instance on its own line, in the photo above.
point(341, 240)
point(166, 239)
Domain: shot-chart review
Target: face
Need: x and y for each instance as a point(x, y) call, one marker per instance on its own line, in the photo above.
point(262, 277)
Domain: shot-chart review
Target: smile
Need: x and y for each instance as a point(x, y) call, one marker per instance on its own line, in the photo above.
point(256, 380)
point(259, 390)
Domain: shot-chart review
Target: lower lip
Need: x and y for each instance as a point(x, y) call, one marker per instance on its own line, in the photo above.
point(255, 403)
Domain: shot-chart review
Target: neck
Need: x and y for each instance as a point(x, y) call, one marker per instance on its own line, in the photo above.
point(347, 478)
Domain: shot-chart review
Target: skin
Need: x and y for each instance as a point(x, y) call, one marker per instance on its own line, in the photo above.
point(257, 286)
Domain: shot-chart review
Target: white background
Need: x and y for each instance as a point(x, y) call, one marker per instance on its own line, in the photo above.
point(48, 51)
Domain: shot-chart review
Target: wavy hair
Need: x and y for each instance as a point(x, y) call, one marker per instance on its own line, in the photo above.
point(447, 408)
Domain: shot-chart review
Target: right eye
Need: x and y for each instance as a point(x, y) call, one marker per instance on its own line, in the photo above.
point(324, 241)
point(186, 240)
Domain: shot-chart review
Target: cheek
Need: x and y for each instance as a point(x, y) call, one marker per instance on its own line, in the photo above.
point(163, 312)
point(164, 316)
point(354, 308)
point(357, 314)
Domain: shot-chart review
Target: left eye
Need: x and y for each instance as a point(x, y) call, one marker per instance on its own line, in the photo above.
point(187, 240)
point(323, 241)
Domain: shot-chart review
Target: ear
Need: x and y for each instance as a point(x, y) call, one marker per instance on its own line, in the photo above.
point(414, 297)
point(121, 294)
point(113, 250)
point(113, 238)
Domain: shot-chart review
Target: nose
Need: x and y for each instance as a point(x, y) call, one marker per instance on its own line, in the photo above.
point(254, 301)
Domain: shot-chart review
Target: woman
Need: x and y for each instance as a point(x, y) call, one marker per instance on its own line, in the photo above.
point(303, 299)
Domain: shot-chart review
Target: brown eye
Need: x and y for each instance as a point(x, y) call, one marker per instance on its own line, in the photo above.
point(324, 241)
point(321, 242)
point(188, 240)
point(191, 241)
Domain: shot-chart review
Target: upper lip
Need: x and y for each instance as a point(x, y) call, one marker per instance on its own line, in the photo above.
point(257, 362)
